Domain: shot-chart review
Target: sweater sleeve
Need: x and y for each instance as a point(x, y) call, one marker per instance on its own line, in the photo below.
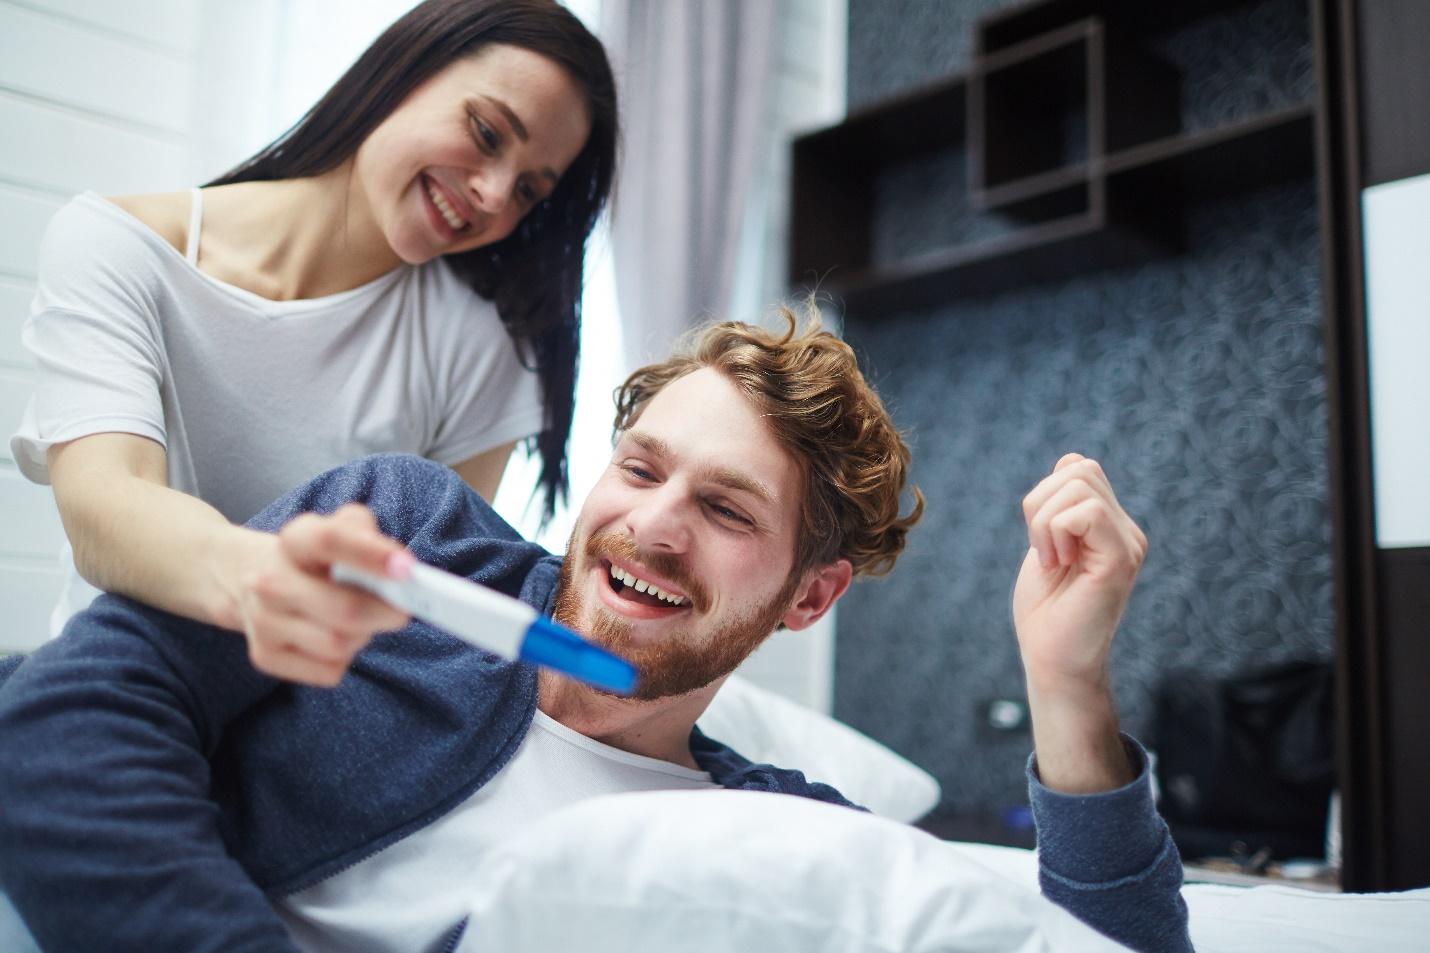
point(1109, 859)
point(107, 831)
point(110, 834)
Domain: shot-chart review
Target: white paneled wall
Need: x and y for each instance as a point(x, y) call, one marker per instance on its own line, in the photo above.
point(94, 94)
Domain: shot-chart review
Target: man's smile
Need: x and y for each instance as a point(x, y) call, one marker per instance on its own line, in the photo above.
point(623, 580)
point(632, 595)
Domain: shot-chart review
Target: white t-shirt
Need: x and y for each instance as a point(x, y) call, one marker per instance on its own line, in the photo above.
point(252, 397)
point(410, 895)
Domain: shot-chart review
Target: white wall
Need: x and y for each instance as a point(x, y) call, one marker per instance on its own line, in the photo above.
point(1397, 289)
point(94, 94)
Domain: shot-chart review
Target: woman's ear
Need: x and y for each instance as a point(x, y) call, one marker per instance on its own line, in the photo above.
point(821, 588)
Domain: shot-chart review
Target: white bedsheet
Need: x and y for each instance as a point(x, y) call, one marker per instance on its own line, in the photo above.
point(709, 872)
point(1223, 919)
point(1272, 919)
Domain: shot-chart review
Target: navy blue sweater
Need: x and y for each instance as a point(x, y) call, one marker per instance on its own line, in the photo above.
point(157, 792)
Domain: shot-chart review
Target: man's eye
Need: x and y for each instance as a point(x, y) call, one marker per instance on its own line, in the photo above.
point(638, 472)
point(725, 513)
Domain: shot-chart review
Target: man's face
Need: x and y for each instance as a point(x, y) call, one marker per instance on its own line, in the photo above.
point(701, 502)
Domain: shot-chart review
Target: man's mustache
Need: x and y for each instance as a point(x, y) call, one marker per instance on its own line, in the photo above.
point(613, 545)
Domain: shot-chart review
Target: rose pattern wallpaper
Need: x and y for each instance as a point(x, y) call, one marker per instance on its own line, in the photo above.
point(1195, 378)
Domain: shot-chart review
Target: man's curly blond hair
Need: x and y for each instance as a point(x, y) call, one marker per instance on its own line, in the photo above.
point(807, 384)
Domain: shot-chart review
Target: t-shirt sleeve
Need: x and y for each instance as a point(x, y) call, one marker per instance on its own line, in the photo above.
point(486, 396)
point(93, 335)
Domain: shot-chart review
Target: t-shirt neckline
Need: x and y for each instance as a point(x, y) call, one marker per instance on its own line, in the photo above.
point(269, 306)
point(554, 727)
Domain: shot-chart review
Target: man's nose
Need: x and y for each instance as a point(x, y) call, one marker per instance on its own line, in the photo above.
point(661, 521)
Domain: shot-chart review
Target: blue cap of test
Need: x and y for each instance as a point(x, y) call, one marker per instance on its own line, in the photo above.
point(555, 646)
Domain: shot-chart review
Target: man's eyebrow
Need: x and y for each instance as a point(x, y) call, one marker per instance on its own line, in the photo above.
point(724, 476)
point(520, 129)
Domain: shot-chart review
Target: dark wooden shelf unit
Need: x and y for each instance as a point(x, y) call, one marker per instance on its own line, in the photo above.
point(1025, 21)
point(1073, 134)
point(831, 198)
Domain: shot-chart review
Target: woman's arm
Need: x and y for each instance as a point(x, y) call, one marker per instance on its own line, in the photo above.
point(483, 472)
point(134, 535)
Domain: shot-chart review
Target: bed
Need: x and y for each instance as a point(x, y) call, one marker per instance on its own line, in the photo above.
point(709, 872)
point(698, 872)
point(715, 871)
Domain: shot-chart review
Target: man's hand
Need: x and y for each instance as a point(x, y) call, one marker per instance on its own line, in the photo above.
point(1084, 554)
point(301, 625)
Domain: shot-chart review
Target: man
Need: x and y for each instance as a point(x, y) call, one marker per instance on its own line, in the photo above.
point(160, 792)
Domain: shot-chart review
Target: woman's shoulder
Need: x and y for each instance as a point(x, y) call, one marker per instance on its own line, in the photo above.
point(130, 230)
point(96, 253)
point(449, 296)
point(462, 325)
point(166, 214)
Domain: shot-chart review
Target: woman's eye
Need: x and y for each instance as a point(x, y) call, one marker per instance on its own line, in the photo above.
point(527, 193)
point(486, 135)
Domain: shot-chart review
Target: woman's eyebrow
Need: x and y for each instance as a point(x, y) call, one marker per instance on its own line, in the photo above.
point(516, 124)
point(518, 128)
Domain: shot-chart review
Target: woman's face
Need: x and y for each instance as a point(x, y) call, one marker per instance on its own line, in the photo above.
point(470, 151)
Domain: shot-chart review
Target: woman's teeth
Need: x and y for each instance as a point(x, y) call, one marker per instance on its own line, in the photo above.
point(450, 217)
point(640, 585)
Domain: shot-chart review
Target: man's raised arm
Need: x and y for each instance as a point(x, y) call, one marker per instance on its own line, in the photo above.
point(1104, 854)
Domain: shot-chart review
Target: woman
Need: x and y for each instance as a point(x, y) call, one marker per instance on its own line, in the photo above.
point(401, 271)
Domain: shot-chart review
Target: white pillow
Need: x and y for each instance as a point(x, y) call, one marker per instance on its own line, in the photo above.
point(715, 871)
point(770, 729)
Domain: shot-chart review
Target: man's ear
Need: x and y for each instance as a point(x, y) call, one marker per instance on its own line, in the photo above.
point(821, 588)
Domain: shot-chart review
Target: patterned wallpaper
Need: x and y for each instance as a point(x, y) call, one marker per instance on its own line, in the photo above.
point(1195, 379)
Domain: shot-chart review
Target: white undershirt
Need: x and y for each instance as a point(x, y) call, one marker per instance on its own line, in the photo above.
point(410, 895)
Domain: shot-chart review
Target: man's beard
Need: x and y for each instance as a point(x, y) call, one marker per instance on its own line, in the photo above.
point(679, 662)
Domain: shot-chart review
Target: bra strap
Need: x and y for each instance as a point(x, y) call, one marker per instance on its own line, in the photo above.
point(196, 220)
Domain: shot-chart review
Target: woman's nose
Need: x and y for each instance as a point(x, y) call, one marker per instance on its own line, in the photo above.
point(491, 188)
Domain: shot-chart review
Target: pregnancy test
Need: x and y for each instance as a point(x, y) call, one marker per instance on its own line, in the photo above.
point(493, 621)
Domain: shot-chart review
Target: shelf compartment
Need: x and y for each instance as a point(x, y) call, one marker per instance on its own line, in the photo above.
point(1270, 148)
point(1033, 111)
point(833, 172)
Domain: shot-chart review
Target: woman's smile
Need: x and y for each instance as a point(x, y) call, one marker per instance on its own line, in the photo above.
point(442, 210)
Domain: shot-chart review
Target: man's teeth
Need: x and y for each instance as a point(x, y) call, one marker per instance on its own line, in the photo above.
point(450, 217)
point(640, 585)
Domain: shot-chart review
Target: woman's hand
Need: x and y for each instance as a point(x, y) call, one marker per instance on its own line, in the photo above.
point(301, 625)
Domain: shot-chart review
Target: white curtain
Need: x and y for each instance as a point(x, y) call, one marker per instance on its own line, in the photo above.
point(696, 80)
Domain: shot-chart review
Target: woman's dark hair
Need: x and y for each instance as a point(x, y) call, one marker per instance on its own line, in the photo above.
point(534, 274)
